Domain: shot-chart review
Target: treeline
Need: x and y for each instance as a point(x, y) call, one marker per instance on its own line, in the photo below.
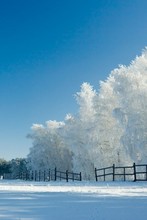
point(13, 166)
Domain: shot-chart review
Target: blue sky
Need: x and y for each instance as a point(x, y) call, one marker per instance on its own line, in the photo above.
point(48, 48)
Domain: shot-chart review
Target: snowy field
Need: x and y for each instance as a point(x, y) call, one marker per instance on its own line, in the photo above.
point(73, 201)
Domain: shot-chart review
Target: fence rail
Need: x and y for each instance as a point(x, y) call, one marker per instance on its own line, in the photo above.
point(45, 175)
point(113, 173)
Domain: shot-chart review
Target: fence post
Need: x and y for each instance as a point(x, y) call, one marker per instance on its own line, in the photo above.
point(146, 172)
point(44, 175)
point(55, 174)
point(134, 166)
point(32, 175)
point(35, 175)
point(29, 175)
point(66, 175)
point(113, 172)
point(80, 176)
point(124, 174)
point(39, 177)
point(96, 174)
point(49, 175)
point(104, 174)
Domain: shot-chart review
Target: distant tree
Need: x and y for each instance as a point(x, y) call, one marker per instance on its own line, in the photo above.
point(4, 167)
point(17, 166)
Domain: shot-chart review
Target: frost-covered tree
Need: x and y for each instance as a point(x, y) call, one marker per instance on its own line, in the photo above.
point(49, 149)
point(110, 126)
point(78, 131)
point(130, 85)
point(107, 132)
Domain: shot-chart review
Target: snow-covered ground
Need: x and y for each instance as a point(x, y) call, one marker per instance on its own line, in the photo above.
point(73, 201)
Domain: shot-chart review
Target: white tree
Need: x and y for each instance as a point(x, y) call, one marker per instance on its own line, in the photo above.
point(49, 149)
point(78, 129)
point(110, 126)
point(130, 85)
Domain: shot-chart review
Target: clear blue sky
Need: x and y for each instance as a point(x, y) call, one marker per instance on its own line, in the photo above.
point(49, 47)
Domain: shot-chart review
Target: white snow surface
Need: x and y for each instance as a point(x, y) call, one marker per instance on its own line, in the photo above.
point(21, 200)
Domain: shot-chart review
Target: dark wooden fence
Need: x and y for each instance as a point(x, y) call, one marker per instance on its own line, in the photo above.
point(59, 175)
point(125, 173)
point(46, 175)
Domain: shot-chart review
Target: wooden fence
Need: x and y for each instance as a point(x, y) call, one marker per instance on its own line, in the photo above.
point(68, 176)
point(45, 175)
point(125, 173)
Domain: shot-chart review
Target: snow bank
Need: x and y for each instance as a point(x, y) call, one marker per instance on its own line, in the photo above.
point(99, 189)
point(70, 201)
